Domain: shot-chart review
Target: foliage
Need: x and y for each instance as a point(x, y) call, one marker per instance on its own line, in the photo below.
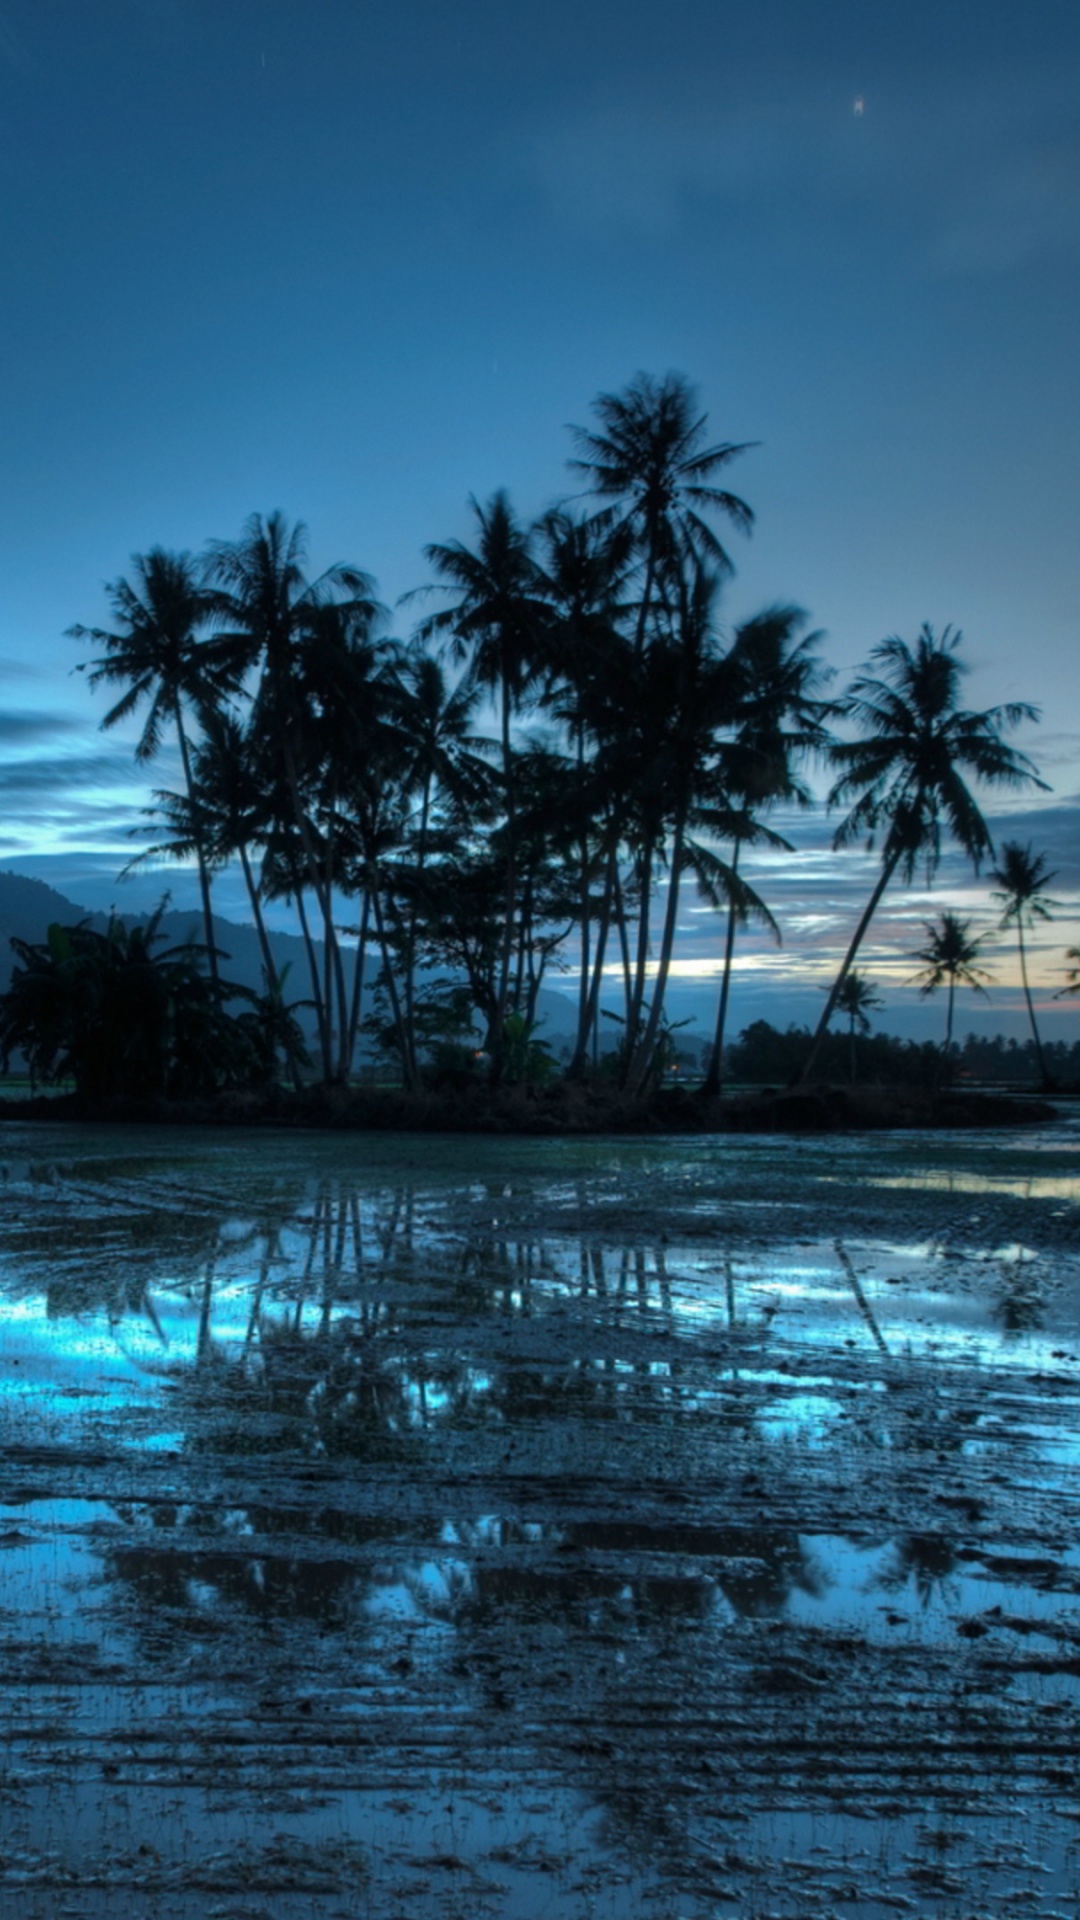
point(123, 1021)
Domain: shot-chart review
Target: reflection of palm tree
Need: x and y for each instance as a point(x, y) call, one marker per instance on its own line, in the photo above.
point(950, 955)
point(156, 650)
point(910, 768)
point(1022, 879)
point(927, 1559)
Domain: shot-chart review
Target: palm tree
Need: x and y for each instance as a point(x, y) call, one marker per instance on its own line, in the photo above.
point(498, 625)
point(442, 763)
point(158, 652)
point(1022, 879)
point(649, 457)
point(908, 770)
point(692, 695)
point(585, 571)
point(780, 720)
point(1072, 974)
point(951, 955)
point(857, 998)
point(301, 635)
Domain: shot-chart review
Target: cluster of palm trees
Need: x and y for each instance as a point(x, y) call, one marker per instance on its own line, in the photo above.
point(348, 772)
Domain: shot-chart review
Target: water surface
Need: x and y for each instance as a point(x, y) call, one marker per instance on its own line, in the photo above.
point(516, 1527)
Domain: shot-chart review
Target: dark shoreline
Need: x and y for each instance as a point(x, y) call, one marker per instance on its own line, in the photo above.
point(561, 1110)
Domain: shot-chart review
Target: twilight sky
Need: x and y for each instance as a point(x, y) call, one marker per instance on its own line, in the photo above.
point(358, 259)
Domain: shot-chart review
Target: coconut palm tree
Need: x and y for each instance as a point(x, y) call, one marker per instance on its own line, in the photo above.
point(692, 691)
point(780, 720)
point(160, 653)
point(950, 957)
point(1022, 878)
point(585, 567)
point(498, 626)
point(443, 764)
point(1072, 974)
point(650, 459)
point(302, 636)
point(908, 771)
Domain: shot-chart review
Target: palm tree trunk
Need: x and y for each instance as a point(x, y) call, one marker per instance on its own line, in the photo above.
point(316, 985)
point(589, 1016)
point(408, 985)
point(642, 1064)
point(641, 957)
point(1039, 1054)
point(506, 945)
point(888, 868)
point(265, 948)
point(712, 1086)
point(391, 987)
point(200, 852)
point(624, 945)
point(358, 980)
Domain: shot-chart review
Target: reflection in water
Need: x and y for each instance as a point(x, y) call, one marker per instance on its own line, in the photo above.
point(365, 1482)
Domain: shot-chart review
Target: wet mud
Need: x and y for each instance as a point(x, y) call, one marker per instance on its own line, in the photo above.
point(514, 1527)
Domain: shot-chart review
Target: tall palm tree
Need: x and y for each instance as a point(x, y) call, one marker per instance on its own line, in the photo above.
point(497, 625)
point(442, 762)
point(908, 771)
point(693, 689)
point(1022, 878)
point(650, 458)
point(950, 957)
point(780, 720)
point(585, 569)
point(160, 653)
point(299, 634)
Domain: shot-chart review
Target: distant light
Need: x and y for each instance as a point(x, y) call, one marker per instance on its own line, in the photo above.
point(859, 107)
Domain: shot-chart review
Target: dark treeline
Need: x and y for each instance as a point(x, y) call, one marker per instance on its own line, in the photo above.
point(765, 1055)
point(639, 750)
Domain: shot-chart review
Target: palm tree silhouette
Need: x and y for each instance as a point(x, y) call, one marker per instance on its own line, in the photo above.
point(951, 955)
point(301, 635)
point(160, 653)
point(780, 720)
point(1022, 879)
point(585, 571)
point(908, 770)
point(857, 998)
point(650, 460)
point(498, 625)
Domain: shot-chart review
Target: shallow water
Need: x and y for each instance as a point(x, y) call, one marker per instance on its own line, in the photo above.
point(578, 1527)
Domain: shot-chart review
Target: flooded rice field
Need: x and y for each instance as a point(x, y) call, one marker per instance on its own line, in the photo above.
point(593, 1529)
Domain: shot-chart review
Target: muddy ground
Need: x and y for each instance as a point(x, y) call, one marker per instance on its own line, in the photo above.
point(516, 1528)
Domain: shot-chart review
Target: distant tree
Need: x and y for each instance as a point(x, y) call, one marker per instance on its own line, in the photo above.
point(908, 770)
point(1022, 879)
point(1072, 976)
point(950, 957)
point(857, 999)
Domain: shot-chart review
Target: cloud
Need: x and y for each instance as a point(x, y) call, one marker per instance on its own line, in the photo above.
point(62, 773)
point(23, 729)
point(988, 165)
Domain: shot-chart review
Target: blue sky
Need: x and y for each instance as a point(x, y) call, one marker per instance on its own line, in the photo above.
point(359, 260)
